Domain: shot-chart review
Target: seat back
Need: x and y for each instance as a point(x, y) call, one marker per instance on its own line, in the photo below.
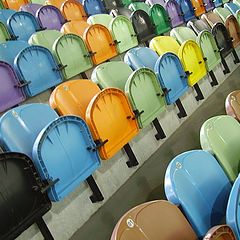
point(71, 52)
point(209, 5)
point(100, 42)
point(55, 3)
point(111, 74)
point(205, 207)
point(198, 7)
point(20, 126)
point(233, 30)
point(211, 18)
point(121, 11)
point(45, 38)
point(1, 5)
point(21, 207)
point(140, 57)
point(163, 44)
point(4, 34)
point(111, 4)
point(5, 14)
point(223, 13)
point(198, 25)
point(187, 9)
point(50, 17)
point(22, 25)
point(10, 93)
point(110, 117)
point(123, 33)
point(183, 34)
point(192, 60)
point(75, 26)
point(149, 101)
point(103, 19)
point(31, 8)
point(93, 7)
point(171, 76)
point(209, 49)
point(15, 5)
point(232, 7)
point(142, 25)
point(232, 104)
point(139, 6)
point(75, 161)
point(220, 136)
point(73, 10)
point(37, 69)
point(160, 19)
point(220, 232)
point(151, 220)
point(174, 13)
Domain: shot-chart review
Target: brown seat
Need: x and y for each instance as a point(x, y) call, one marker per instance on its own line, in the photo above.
point(232, 104)
point(222, 232)
point(233, 28)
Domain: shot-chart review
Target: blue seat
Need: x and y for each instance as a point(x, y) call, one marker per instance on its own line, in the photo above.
point(195, 181)
point(217, 3)
point(187, 9)
point(22, 25)
point(93, 7)
point(37, 69)
point(10, 49)
point(232, 7)
point(5, 14)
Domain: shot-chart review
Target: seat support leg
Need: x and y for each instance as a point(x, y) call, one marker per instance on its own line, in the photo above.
point(84, 75)
point(225, 66)
point(160, 133)
point(236, 58)
point(214, 81)
point(132, 158)
point(97, 195)
point(199, 92)
point(182, 113)
point(44, 229)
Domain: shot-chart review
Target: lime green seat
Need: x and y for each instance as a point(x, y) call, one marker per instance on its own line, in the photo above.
point(42, 2)
point(1, 5)
point(160, 19)
point(139, 6)
point(223, 13)
point(45, 38)
point(125, 3)
point(221, 136)
point(237, 2)
point(182, 34)
point(225, 1)
point(103, 19)
point(123, 33)
point(72, 55)
point(4, 34)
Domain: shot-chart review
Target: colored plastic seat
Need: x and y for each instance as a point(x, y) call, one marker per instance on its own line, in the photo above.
point(139, 6)
point(174, 12)
point(42, 2)
point(233, 30)
point(72, 55)
point(1, 5)
point(125, 3)
point(220, 135)
point(111, 4)
point(11, 92)
point(218, 3)
point(76, 27)
point(103, 19)
point(142, 25)
point(22, 25)
point(232, 7)
point(209, 5)
point(123, 33)
point(73, 10)
point(183, 34)
point(15, 5)
point(93, 7)
point(37, 70)
point(211, 18)
point(4, 34)
point(31, 8)
point(198, 26)
point(55, 3)
point(151, 220)
point(152, 2)
point(205, 207)
point(160, 19)
point(21, 207)
point(223, 13)
point(237, 2)
point(45, 38)
point(5, 14)
point(198, 7)
point(163, 44)
point(50, 17)
point(186, 9)
point(232, 104)
point(100, 43)
point(121, 11)
point(220, 232)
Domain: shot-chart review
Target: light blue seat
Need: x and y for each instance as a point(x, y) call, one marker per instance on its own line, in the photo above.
point(217, 3)
point(232, 7)
point(10, 49)
point(22, 25)
point(5, 14)
point(195, 181)
point(37, 68)
point(187, 9)
point(93, 7)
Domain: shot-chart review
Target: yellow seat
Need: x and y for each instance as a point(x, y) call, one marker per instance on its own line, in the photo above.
point(56, 3)
point(76, 27)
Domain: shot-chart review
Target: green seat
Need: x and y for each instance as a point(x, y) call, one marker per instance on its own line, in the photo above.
point(182, 34)
point(237, 2)
point(139, 6)
point(209, 49)
point(45, 38)
point(72, 55)
point(4, 34)
point(123, 33)
point(103, 19)
point(225, 1)
point(160, 19)
point(1, 5)
point(42, 2)
point(126, 3)
point(221, 136)
point(223, 13)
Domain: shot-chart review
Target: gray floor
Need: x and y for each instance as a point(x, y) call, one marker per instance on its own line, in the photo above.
point(147, 183)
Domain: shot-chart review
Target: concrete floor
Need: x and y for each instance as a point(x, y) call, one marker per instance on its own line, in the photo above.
point(147, 183)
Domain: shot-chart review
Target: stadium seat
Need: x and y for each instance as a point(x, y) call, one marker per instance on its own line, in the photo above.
point(139, 6)
point(220, 232)
point(223, 13)
point(93, 7)
point(22, 25)
point(22, 206)
point(237, 2)
point(152, 220)
point(182, 34)
point(100, 43)
point(220, 135)
point(218, 3)
point(5, 14)
point(198, 25)
point(198, 7)
point(121, 11)
point(209, 5)
point(37, 70)
point(232, 104)
point(1, 5)
point(206, 206)
point(55, 3)
point(4, 34)
point(42, 2)
point(31, 8)
point(142, 26)
point(125, 3)
point(50, 17)
point(103, 19)
point(211, 18)
point(160, 19)
point(123, 33)
point(111, 4)
point(232, 7)
point(233, 28)
point(174, 12)
point(102, 110)
point(186, 9)
point(77, 27)
point(11, 93)
point(15, 5)
point(72, 10)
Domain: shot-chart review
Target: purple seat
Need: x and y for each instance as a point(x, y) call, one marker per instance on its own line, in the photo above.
point(152, 2)
point(209, 5)
point(174, 13)
point(50, 17)
point(31, 8)
point(11, 92)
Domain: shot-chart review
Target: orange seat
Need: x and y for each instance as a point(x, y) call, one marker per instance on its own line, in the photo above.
point(198, 7)
point(56, 3)
point(73, 10)
point(75, 27)
point(100, 43)
point(15, 4)
point(222, 232)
